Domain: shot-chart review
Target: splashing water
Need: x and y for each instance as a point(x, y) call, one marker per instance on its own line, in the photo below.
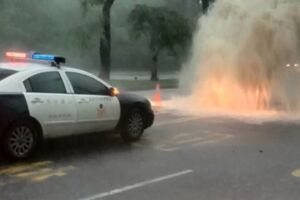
point(239, 58)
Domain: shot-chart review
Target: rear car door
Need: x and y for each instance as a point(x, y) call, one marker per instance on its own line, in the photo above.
point(49, 102)
point(96, 109)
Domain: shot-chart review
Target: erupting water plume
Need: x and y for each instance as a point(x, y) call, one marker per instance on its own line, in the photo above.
point(240, 55)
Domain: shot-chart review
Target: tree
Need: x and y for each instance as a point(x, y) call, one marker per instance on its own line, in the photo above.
point(205, 5)
point(189, 8)
point(166, 30)
point(105, 36)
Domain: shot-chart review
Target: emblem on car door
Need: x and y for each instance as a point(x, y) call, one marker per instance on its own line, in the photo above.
point(100, 110)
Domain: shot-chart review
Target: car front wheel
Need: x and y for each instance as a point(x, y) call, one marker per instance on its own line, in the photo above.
point(21, 140)
point(133, 127)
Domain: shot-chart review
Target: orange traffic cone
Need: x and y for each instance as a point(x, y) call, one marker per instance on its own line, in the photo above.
point(156, 99)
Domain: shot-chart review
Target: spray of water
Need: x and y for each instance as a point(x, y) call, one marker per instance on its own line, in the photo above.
point(240, 58)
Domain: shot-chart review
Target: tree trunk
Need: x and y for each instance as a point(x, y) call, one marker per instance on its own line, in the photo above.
point(205, 5)
point(154, 72)
point(105, 41)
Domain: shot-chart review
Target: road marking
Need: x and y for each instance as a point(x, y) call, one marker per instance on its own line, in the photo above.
point(165, 147)
point(175, 121)
point(182, 135)
point(137, 185)
point(296, 173)
point(187, 140)
point(58, 173)
point(34, 172)
point(23, 167)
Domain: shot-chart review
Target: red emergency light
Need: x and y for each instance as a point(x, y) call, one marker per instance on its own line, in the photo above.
point(16, 55)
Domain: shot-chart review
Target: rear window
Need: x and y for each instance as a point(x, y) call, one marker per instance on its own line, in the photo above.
point(4, 73)
point(46, 82)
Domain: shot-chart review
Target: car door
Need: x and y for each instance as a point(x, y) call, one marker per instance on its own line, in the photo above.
point(49, 103)
point(96, 109)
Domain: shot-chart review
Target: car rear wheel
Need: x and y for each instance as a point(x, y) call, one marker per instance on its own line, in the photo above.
point(21, 140)
point(133, 127)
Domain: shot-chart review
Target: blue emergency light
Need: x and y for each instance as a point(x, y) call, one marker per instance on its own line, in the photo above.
point(48, 57)
point(45, 57)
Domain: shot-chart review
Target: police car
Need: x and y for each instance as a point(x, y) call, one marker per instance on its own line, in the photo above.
point(39, 98)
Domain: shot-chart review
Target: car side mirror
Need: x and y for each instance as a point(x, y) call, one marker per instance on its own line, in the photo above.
point(114, 92)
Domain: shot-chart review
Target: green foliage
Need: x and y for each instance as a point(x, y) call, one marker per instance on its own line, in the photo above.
point(166, 29)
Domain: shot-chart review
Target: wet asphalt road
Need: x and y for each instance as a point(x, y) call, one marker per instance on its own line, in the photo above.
point(180, 158)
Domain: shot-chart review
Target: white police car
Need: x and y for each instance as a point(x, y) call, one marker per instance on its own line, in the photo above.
point(39, 100)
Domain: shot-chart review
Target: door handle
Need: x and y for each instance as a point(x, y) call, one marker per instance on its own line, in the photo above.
point(101, 106)
point(37, 100)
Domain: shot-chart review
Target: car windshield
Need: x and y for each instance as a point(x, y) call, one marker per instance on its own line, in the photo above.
point(4, 73)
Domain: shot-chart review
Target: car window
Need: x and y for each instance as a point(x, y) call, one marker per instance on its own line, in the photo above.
point(4, 73)
point(83, 84)
point(47, 82)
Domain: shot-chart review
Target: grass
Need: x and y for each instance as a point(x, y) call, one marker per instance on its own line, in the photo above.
point(143, 84)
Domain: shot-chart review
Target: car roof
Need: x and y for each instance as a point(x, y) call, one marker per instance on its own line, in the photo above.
point(32, 66)
point(22, 66)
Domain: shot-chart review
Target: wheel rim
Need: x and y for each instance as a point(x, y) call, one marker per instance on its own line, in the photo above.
point(21, 141)
point(135, 125)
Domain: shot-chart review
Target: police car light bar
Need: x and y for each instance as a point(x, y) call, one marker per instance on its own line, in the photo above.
point(35, 56)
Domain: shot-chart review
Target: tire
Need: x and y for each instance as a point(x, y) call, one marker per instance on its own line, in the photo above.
point(133, 127)
point(21, 140)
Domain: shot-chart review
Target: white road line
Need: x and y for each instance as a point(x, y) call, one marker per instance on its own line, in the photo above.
point(137, 185)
